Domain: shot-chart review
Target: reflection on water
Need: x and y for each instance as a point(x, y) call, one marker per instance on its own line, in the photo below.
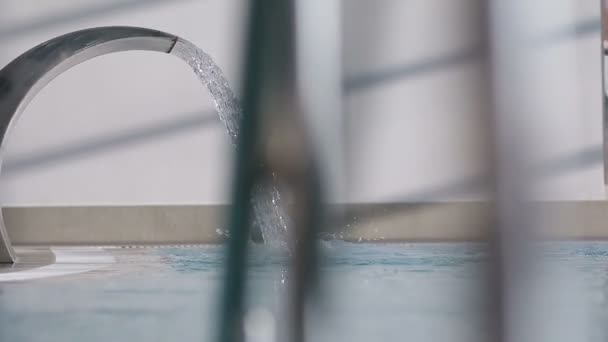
point(391, 292)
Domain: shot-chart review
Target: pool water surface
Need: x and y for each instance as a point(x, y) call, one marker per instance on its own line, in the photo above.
point(367, 292)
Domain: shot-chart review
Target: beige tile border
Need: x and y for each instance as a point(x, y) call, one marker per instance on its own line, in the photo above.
point(176, 224)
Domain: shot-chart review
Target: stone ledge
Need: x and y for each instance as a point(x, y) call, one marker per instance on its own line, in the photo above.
point(199, 224)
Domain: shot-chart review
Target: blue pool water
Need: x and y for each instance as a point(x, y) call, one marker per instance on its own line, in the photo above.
point(369, 292)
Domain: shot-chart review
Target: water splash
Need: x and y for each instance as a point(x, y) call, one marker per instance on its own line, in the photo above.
point(269, 214)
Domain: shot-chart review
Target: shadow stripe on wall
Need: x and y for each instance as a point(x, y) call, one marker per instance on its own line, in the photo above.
point(101, 9)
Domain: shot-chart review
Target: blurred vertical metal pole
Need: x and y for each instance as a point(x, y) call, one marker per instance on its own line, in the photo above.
point(319, 65)
point(604, 38)
point(318, 112)
point(273, 145)
point(513, 109)
point(256, 71)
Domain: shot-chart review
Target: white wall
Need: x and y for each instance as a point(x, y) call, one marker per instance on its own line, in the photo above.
point(419, 135)
point(413, 110)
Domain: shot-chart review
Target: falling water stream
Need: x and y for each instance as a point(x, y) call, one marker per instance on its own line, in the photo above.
point(269, 214)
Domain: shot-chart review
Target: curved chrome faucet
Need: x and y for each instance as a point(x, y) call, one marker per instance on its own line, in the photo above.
point(25, 76)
